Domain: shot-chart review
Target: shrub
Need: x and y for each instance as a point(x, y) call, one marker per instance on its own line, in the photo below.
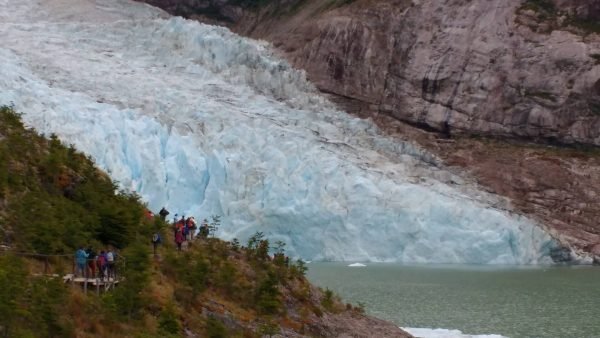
point(168, 322)
point(267, 295)
point(215, 328)
point(128, 296)
point(327, 300)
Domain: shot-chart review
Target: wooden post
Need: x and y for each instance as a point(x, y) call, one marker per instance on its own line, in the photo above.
point(85, 275)
point(46, 265)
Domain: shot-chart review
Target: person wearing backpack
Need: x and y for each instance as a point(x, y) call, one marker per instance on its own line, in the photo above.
point(156, 240)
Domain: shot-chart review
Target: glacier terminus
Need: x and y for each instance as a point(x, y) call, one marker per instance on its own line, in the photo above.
point(205, 122)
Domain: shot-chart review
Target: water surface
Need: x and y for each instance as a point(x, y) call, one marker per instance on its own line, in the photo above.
point(511, 301)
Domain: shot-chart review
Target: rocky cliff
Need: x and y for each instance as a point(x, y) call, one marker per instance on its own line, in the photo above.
point(521, 70)
point(528, 69)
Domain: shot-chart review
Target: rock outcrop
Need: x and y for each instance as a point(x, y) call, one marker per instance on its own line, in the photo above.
point(478, 67)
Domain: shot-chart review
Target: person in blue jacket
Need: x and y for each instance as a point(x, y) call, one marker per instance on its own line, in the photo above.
point(81, 260)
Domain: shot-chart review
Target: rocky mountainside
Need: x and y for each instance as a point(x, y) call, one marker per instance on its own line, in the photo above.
point(518, 70)
point(528, 69)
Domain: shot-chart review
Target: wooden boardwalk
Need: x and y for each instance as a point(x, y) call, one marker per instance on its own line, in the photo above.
point(100, 284)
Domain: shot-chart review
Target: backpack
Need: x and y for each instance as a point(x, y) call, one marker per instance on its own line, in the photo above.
point(109, 257)
point(156, 238)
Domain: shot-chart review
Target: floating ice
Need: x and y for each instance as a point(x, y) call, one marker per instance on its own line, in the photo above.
point(197, 119)
point(443, 333)
point(356, 265)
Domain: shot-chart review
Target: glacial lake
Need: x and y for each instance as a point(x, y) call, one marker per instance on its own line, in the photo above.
point(514, 302)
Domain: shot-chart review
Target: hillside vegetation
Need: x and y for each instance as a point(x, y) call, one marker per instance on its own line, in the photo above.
point(53, 200)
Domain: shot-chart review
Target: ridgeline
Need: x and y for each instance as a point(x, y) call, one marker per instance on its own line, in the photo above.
point(53, 200)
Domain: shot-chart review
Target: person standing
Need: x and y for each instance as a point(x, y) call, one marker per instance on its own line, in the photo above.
point(163, 213)
point(110, 264)
point(81, 260)
point(156, 240)
point(102, 265)
point(91, 260)
point(179, 239)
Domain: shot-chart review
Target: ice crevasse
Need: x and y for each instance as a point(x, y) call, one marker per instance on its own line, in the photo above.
point(204, 122)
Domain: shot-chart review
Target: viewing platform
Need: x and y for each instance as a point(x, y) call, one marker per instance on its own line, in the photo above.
point(100, 284)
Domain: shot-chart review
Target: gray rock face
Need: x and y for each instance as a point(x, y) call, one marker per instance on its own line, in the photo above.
point(461, 67)
point(479, 67)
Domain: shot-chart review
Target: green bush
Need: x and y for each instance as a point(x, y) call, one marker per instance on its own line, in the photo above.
point(327, 300)
point(29, 306)
point(128, 298)
point(168, 322)
point(215, 328)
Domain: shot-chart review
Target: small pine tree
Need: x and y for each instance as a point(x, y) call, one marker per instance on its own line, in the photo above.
point(235, 245)
point(213, 227)
point(267, 295)
point(298, 270)
point(255, 240)
point(327, 300)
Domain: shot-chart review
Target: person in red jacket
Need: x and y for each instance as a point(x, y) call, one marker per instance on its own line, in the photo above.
point(179, 238)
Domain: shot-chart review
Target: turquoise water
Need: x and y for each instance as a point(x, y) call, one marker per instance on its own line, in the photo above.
point(515, 302)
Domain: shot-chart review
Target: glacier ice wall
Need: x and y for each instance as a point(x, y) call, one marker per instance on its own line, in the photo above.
point(197, 119)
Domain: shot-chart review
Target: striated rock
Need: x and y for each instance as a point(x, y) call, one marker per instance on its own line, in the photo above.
point(483, 67)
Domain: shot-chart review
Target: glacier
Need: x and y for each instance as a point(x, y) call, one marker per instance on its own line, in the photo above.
point(204, 122)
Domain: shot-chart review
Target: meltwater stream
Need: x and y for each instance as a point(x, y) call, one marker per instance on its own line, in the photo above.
point(202, 121)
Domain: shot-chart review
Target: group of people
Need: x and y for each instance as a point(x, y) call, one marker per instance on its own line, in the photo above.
point(184, 229)
point(93, 265)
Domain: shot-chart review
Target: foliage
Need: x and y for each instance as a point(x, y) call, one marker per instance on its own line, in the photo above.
point(54, 200)
point(540, 5)
point(254, 240)
point(190, 269)
point(235, 245)
point(546, 11)
point(327, 300)
point(360, 308)
point(267, 294)
point(268, 329)
point(29, 306)
point(127, 298)
point(215, 328)
point(298, 270)
point(12, 280)
point(168, 322)
point(57, 199)
point(213, 226)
